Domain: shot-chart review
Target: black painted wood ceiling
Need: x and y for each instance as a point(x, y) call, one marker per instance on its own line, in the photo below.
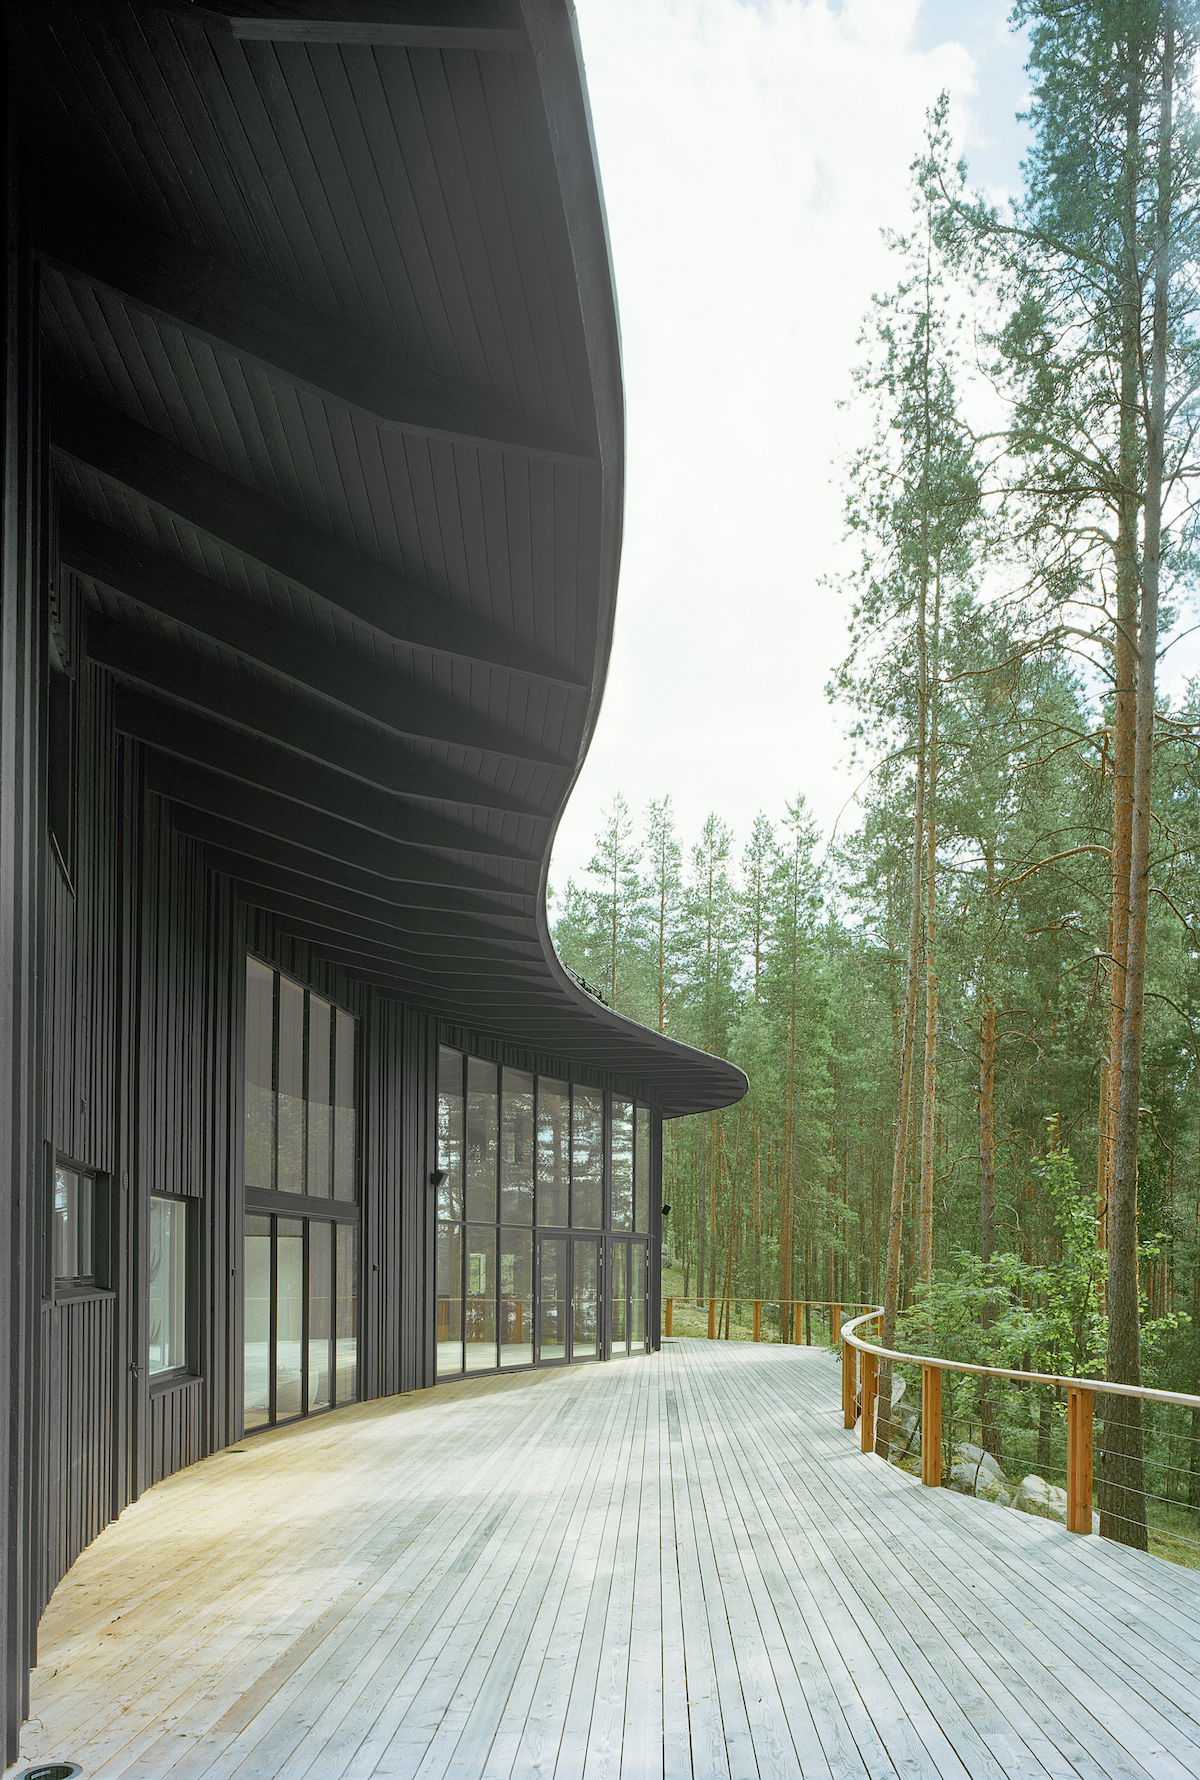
point(333, 375)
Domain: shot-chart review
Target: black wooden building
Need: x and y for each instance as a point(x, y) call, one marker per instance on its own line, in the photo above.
point(312, 459)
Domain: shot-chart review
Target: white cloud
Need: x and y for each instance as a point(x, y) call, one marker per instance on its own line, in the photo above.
point(750, 156)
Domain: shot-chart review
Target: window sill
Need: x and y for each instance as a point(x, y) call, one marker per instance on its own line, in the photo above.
point(66, 1293)
point(162, 1382)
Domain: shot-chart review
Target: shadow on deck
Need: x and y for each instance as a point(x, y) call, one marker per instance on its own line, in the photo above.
point(674, 1566)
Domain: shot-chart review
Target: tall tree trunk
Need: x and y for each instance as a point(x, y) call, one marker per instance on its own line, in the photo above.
point(989, 1437)
point(711, 1133)
point(1124, 653)
point(891, 1278)
point(662, 948)
point(1122, 1498)
point(757, 1208)
point(929, 1085)
point(701, 1225)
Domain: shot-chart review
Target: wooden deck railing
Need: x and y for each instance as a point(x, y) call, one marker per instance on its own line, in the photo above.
point(797, 1306)
point(859, 1394)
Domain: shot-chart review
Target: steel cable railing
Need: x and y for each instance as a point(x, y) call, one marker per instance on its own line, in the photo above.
point(1041, 1415)
point(794, 1314)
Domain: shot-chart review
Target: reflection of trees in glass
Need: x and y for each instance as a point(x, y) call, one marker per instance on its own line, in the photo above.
point(516, 1147)
point(587, 1157)
point(482, 1137)
point(450, 1140)
point(552, 1159)
point(622, 1165)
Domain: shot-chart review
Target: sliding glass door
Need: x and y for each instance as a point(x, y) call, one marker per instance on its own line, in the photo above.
point(300, 1322)
point(628, 1279)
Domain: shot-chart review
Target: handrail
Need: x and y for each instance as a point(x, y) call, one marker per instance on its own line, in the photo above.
point(728, 1298)
point(976, 1371)
point(1081, 1394)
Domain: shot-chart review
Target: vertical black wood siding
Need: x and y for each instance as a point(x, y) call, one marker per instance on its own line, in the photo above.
point(22, 867)
point(122, 981)
point(176, 1429)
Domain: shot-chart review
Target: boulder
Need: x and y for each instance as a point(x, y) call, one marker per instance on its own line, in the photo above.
point(976, 1473)
point(1036, 1496)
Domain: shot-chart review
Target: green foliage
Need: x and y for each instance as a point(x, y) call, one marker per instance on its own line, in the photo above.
point(983, 557)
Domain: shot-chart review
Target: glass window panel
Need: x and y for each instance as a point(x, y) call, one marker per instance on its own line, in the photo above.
point(622, 1165)
point(637, 1298)
point(618, 1286)
point(320, 1315)
point(482, 1133)
point(516, 1297)
point(449, 1300)
point(553, 1152)
point(450, 1132)
point(587, 1158)
point(256, 1327)
point(516, 1148)
point(260, 1082)
point(167, 1271)
point(290, 1176)
point(552, 1300)
point(344, 1122)
point(585, 1300)
point(641, 1169)
point(289, 1316)
point(320, 1043)
point(347, 1314)
point(74, 1216)
point(481, 1297)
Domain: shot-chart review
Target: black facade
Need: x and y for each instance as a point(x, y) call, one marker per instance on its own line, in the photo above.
point(312, 463)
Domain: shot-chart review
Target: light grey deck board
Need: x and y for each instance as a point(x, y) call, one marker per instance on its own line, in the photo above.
point(678, 1567)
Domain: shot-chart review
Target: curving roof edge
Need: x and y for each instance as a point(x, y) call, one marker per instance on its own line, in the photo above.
point(338, 427)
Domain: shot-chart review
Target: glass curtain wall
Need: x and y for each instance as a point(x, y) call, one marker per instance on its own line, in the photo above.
point(526, 1166)
point(301, 1263)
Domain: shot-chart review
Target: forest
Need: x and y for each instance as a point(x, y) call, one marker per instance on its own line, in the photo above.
point(970, 1017)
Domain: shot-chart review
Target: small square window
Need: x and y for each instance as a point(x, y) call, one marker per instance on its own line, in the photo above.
point(74, 1226)
point(167, 1273)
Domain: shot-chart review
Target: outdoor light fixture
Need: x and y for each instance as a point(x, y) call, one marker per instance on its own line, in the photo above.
point(438, 1177)
point(52, 1770)
point(666, 1211)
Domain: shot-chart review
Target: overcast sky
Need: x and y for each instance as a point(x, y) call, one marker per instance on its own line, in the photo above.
point(751, 151)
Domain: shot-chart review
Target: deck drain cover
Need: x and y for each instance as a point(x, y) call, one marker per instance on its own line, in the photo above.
point(52, 1770)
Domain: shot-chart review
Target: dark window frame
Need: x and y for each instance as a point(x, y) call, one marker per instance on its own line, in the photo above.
point(93, 1283)
point(190, 1369)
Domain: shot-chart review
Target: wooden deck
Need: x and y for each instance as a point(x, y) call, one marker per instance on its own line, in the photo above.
point(673, 1566)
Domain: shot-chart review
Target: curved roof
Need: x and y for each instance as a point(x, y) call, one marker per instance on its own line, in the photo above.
point(337, 420)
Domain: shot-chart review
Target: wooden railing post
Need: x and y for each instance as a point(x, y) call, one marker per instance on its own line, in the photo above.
point(849, 1383)
point(1079, 1459)
point(931, 1426)
point(870, 1370)
point(798, 1310)
point(758, 1319)
point(712, 1319)
point(670, 1316)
